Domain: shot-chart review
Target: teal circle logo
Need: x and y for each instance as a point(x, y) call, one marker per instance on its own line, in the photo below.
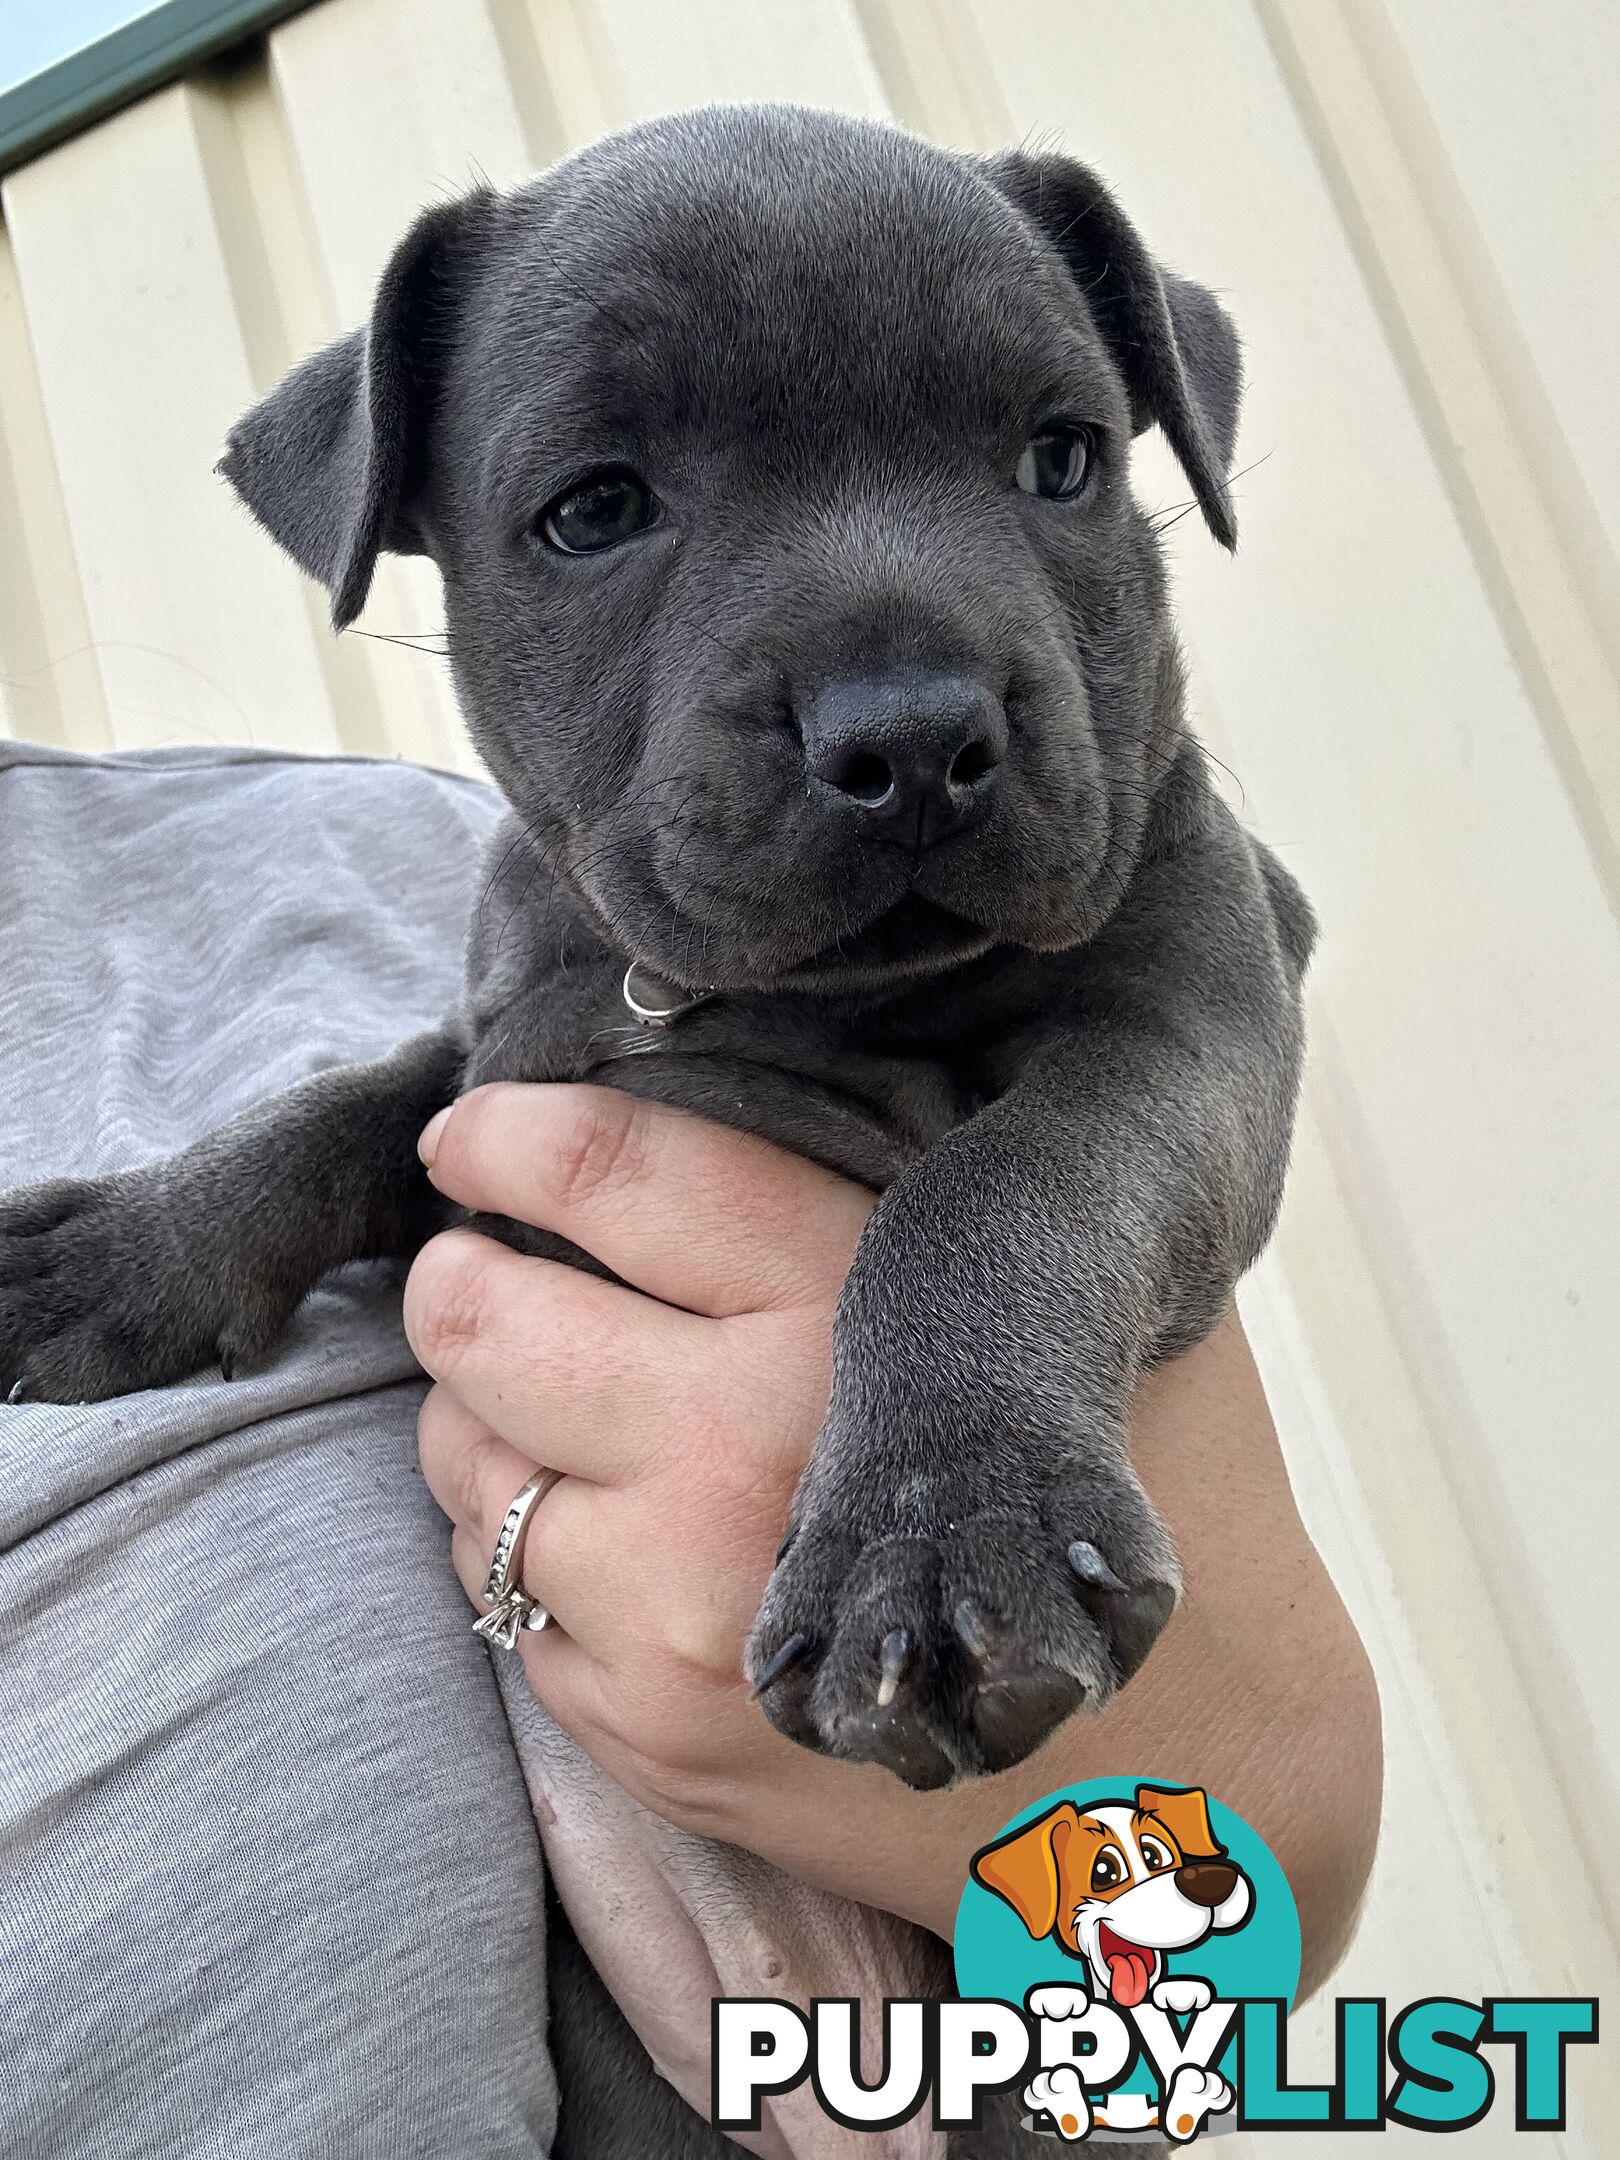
point(1112, 1906)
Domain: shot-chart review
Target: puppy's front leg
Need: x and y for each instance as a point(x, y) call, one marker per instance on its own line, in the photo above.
point(131, 1281)
point(972, 1556)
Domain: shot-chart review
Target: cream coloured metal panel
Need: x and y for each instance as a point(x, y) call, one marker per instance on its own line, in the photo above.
point(142, 366)
point(1467, 1001)
point(666, 54)
point(50, 687)
point(1526, 108)
point(1519, 489)
point(386, 107)
point(1413, 667)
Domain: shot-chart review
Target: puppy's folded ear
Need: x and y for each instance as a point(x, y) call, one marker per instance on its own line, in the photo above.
point(1172, 340)
point(1026, 1868)
point(1186, 1816)
point(331, 461)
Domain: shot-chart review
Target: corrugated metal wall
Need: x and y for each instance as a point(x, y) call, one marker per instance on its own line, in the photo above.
point(1413, 207)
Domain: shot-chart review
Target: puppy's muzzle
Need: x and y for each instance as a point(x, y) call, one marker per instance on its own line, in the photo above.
point(1206, 1882)
point(913, 756)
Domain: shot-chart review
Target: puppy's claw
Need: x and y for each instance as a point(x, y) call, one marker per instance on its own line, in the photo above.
point(969, 1626)
point(893, 1659)
point(796, 1647)
point(19, 1394)
point(786, 1545)
point(1089, 1564)
point(227, 1362)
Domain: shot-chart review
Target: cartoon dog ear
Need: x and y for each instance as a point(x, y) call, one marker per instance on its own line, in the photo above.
point(1026, 1868)
point(1172, 340)
point(1186, 1816)
point(329, 461)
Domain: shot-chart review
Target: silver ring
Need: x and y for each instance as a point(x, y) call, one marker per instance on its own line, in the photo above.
point(512, 1611)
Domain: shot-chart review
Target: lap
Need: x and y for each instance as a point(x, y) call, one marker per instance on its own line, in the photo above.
point(273, 1882)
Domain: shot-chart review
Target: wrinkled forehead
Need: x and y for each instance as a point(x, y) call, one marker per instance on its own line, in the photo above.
point(851, 283)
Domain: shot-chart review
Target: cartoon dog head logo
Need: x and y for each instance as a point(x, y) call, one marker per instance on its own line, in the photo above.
point(1120, 1885)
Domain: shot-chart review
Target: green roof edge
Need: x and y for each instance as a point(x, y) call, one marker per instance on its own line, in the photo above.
point(110, 71)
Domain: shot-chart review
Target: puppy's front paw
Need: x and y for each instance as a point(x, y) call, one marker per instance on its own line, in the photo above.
point(106, 1287)
point(950, 1647)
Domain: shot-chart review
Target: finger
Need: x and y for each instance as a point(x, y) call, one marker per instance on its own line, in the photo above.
point(557, 1568)
point(581, 1374)
point(472, 1473)
point(475, 1475)
point(692, 1213)
point(564, 1676)
point(471, 1562)
point(589, 1701)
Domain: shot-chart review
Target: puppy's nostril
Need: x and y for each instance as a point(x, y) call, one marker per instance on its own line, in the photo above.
point(866, 777)
point(971, 763)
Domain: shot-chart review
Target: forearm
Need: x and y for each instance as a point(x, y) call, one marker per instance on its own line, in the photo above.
point(1258, 1690)
point(679, 1419)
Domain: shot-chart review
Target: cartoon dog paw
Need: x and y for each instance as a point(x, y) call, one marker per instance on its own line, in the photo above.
point(1060, 2094)
point(1193, 2097)
point(1183, 1995)
point(1060, 2003)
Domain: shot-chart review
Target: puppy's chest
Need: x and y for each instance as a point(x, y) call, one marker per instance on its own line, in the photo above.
point(827, 1087)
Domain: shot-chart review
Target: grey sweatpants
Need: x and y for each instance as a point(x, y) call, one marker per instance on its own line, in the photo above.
point(269, 1880)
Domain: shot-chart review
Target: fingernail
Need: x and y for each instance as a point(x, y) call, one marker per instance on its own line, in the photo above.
point(428, 1146)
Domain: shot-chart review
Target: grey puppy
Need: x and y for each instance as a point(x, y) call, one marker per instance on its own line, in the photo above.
point(775, 464)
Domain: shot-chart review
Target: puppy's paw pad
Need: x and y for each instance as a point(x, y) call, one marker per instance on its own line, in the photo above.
point(1047, 1623)
point(844, 1657)
point(955, 1652)
point(1121, 1560)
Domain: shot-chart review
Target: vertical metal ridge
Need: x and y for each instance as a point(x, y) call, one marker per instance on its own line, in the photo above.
point(1513, 481)
point(936, 74)
point(282, 307)
point(50, 688)
point(1439, 1511)
point(561, 80)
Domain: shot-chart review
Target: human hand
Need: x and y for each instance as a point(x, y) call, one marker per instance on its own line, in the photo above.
point(680, 1412)
point(681, 1404)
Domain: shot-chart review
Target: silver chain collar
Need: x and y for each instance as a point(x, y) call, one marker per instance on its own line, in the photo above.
point(657, 1004)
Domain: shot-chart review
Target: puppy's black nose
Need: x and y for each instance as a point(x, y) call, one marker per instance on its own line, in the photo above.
point(915, 756)
point(1207, 1882)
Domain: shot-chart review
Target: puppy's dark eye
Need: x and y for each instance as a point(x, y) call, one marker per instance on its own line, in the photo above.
point(1107, 1870)
point(1055, 463)
point(610, 506)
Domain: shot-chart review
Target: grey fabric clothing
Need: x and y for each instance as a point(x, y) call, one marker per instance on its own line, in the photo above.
point(272, 1884)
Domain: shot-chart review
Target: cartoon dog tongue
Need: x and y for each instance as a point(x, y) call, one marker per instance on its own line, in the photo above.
point(1130, 1967)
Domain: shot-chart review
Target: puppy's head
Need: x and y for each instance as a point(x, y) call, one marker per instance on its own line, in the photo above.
point(1121, 1885)
point(775, 465)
